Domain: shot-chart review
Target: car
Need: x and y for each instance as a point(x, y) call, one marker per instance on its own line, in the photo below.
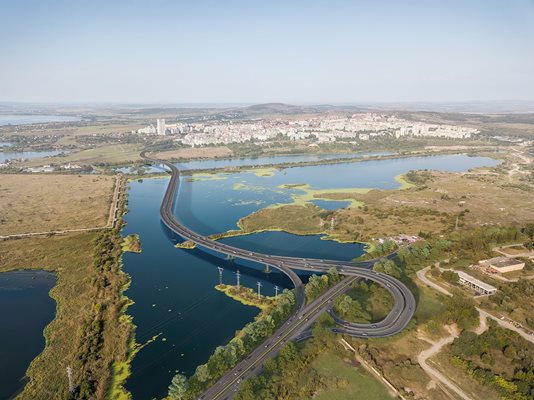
point(374, 325)
point(364, 333)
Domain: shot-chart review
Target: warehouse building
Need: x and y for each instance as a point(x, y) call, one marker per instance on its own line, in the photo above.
point(475, 284)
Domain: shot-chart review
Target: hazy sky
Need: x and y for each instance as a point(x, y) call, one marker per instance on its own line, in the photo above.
point(264, 51)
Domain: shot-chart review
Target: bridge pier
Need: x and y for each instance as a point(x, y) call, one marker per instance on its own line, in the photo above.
point(267, 269)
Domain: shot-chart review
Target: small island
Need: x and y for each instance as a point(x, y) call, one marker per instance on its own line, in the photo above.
point(131, 243)
point(247, 296)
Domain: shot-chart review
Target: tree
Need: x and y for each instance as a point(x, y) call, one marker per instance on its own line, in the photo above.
point(387, 267)
point(202, 373)
point(450, 276)
point(178, 387)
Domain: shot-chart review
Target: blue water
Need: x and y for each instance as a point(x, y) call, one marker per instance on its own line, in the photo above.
point(330, 204)
point(266, 160)
point(174, 296)
point(34, 119)
point(25, 310)
point(240, 162)
point(173, 288)
point(27, 154)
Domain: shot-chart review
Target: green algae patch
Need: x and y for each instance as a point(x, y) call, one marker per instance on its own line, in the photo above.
point(404, 184)
point(122, 371)
point(131, 243)
point(247, 296)
point(196, 177)
point(304, 194)
point(264, 172)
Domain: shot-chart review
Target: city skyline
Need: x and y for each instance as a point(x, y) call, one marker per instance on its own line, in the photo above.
point(240, 52)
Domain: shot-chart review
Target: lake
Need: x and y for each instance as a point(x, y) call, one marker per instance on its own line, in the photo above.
point(17, 155)
point(25, 310)
point(24, 119)
point(173, 289)
point(251, 161)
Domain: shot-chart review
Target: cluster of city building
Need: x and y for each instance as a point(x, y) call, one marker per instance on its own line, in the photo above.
point(328, 128)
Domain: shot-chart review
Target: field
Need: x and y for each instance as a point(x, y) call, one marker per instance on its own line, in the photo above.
point(71, 258)
point(112, 154)
point(196, 152)
point(359, 383)
point(38, 203)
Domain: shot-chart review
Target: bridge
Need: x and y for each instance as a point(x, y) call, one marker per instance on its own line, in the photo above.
point(296, 327)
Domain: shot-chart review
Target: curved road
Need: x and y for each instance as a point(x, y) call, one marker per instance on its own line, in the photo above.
point(304, 315)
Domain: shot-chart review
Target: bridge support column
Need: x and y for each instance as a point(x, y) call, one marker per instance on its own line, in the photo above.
point(267, 269)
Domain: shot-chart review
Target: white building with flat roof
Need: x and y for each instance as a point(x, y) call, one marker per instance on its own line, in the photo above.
point(502, 265)
point(476, 284)
point(161, 126)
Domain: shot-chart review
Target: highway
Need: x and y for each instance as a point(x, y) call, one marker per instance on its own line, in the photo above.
point(303, 315)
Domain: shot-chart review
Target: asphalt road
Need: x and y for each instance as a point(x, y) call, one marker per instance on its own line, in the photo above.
point(297, 326)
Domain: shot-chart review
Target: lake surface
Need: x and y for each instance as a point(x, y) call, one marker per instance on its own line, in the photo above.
point(25, 310)
point(250, 161)
point(281, 159)
point(173, 289)
point(21, 119)
point(17, 155)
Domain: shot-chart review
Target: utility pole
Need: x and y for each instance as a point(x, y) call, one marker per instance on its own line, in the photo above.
point(456, 227)
point(69, 376)
point(238, 275)
point(259, 287)
point(220, 274)
point(275, 292)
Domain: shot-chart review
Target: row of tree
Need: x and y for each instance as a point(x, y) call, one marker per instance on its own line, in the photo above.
point(226, 357)
point(499, 358)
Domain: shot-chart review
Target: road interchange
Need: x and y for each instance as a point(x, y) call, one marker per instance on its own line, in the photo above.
point(304, 314)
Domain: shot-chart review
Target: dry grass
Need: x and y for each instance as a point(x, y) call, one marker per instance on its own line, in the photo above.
point(196, 152)
point(114, 154)
point(37, 203)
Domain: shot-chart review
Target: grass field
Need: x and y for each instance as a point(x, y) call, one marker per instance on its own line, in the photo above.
point(359, 383)
point(113, 154)
point(37, 203)
point(71, 257)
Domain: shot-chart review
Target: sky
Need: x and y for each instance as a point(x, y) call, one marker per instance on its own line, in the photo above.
point(248, 51)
